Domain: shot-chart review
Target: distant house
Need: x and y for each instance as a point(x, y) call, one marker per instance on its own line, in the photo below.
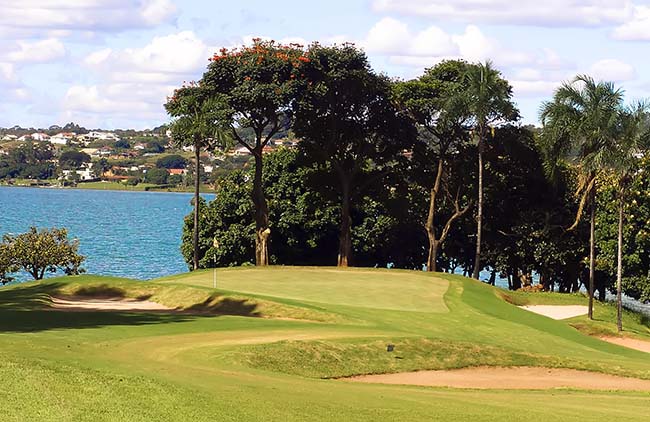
point(85, 173)
point(177, 172)
point(140, 147)
point(208, 169)
point(9, 138)
point(103, 136)
point(242, 151)
point(105, 151)
point(59, 140)
point(25, 138)
point(40, 137)
point(63, 138)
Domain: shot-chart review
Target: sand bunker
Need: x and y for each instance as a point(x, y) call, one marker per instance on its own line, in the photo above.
point(643, 346)
point(557, 311)
point(77, 303)
point(518, 378)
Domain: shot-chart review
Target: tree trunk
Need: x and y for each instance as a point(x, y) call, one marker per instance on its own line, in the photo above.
point(262, 230)
point(429, 226)
point(197, 187)
point(619, 266)
point(345, 236)
point(479, 212)
point(592, 251)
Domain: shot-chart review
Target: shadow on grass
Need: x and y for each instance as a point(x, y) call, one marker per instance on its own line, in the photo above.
point(221, 305)
point(27, 309)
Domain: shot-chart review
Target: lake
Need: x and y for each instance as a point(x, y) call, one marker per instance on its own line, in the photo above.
point(126, 234)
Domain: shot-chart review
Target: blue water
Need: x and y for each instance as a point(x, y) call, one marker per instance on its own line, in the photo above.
point(126, 234)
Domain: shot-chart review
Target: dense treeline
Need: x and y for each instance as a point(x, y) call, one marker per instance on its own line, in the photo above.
point(435, 172)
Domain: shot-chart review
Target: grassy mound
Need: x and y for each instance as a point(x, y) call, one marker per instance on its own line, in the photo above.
point(265, 343)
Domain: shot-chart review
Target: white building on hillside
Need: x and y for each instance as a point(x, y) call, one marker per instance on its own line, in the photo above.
point(40, 137)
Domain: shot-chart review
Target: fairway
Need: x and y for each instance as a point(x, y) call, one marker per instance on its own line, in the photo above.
point(270, 344)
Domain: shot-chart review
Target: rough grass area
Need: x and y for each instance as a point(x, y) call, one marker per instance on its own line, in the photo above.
point(328, 359)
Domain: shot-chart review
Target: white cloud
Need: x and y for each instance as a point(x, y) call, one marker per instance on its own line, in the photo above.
point(638, 28)
point(392, 37)
point(91, 15)
point(612, 70)
point(7, 72)
point(115, 102)
point(551, 13)
point(41, 51)
point(165, 58)
point(133, 83)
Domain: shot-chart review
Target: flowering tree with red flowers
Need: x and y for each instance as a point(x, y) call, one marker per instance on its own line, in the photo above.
point(257, 85)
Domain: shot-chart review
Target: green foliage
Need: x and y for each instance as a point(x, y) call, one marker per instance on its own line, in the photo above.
point(73, 159)
point(636, 261)
point(157, 176)
point(30, 160)
point(122, 144)
point(173, 161)
point(38, 251)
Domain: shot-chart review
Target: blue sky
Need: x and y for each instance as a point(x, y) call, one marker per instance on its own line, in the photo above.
point(111, 63)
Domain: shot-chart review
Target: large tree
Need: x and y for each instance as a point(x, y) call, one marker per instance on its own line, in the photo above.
point(489, 98)
point(437, 103)
point(38, 251)
point(580, 125)
point(196, 117)
point(257, 84)
point(349, 127)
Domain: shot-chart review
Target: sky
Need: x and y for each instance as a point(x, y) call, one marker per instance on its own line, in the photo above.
point(112, 63)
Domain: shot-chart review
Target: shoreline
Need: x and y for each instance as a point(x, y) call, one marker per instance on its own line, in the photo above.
point(108, 189)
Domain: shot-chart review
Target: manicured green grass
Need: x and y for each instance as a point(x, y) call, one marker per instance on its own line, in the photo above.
point(269, 354)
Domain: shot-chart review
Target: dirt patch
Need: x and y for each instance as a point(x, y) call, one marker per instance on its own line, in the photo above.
point(518, 378)
point(641, 345)
point(80, 303)
point(557, 311)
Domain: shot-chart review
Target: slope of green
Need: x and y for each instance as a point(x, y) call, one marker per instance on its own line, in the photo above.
point(299, 325)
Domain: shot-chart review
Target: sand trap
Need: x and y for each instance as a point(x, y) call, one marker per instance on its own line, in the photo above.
point(641, 345)
point(78, 303)
point(519, 378)
point(557, 311)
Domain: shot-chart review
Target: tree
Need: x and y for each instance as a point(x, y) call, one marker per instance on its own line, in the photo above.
point(435, 102)
point(157, 176)
point(173, 161)
point(305, 223)
point(580, 125)
point(38, 251)
point(196, 123)
point(623, 159)
point(122, 144)
point(7, 264)
point(257, 85)
point(103, 166)
point(489, 98)
point(73, 159)
point(350, 128)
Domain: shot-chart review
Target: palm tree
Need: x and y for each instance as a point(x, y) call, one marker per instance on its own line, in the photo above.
point(196, 124)
point(489, 102)
point(635, 131)
point(580, 125)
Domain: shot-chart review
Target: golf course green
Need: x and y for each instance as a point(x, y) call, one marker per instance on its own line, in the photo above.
point(271, 344)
